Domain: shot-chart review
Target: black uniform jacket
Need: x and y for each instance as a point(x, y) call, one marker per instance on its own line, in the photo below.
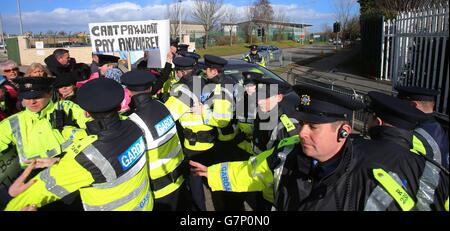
point(389, 148)
point(115, 137)
point(345, 182)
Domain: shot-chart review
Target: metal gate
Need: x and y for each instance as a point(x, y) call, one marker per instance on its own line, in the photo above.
point(12, 47)
point(414, 51)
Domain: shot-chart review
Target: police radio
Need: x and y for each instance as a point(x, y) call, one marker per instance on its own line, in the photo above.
point(57, 118)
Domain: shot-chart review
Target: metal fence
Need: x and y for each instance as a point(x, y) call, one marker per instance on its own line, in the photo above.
point(415, 51)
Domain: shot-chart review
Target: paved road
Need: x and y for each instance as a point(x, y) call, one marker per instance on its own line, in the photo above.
point(296, 55)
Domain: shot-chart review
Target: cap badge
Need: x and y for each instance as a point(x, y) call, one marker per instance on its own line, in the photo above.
point(305, 100)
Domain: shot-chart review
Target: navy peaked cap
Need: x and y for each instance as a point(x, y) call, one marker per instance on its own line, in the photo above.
point(105, 59)
point(65, 79)
point(322, 105)
point(33, 87)
point(416, 93)
point(253, 47)
point(100, 95)
point(191, 55)
point(183, 47)
point(183, 63)
point(249, 76)
point(138, 80)
point(214, 61)
point(395, 111)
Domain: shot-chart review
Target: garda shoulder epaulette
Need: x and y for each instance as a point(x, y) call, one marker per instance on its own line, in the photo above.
point(81, 144)
point(394, 189)
point(287, 123)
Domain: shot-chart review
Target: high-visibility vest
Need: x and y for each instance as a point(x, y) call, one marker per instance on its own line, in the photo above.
point(220, 113)
point(165, 155)
point(167, 86)
point(129, 191)
point(33, 135)
point(198, 136)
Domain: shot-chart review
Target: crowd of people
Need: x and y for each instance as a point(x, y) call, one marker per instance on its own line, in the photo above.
point(96, 138)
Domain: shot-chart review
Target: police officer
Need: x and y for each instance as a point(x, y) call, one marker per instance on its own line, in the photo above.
point(164, 150)
point(198, 137)
point(254, 57)
point(65, 86)
point(44, 128)
point(324, 171)
point(106, 62)
point(168, 76)
point(217, 104)
point(273, 123)
point(108, 167)
point(391, 131)
point(182, 48)
point(429, 131)
point(246, 108)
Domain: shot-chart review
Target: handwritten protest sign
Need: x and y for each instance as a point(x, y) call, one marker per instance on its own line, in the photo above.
point(151, 35)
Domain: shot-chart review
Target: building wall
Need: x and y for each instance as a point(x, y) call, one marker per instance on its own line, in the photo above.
point(31, 55)
point(187, 29)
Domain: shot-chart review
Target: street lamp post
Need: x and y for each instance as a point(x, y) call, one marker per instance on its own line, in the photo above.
point(179, 18)
point(1, 31)
point(20, 17)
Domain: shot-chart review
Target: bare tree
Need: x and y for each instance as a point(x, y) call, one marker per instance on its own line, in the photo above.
point(344, 11)
point(263, 11)
point(248, 28)
point(207, 13)
point(405, 5)
point(173, 13)
point(231, 18)
point(280, 16)
point(327, 30)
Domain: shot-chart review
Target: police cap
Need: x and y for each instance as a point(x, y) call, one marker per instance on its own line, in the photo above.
point(268, 86)
point(34, 87)
point(395, 111)
point(253, 47)
point(249, 76)
point(183, 47)
point(183, 63)
point(105, 59)
point(322, 105)
point(191, 55)
point(137, 80)
point(65, 79)
point(416, 93)
point(100, 95)
point(213, 61)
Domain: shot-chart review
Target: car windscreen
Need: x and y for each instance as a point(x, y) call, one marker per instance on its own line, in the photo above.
point(236, 72)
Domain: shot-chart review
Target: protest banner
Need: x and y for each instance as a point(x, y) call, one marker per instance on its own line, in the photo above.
point(151, 35)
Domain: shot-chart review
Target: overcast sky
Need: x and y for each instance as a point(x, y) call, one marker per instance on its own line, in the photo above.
point(74, 15)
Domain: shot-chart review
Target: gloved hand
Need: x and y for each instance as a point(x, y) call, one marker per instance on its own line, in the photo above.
point(68, 119)
point(59, 119)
